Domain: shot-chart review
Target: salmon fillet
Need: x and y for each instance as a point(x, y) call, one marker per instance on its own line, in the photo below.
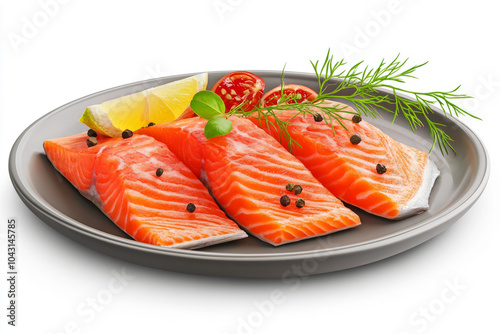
point(349, 170)
point(119, 176)
point(247, 172)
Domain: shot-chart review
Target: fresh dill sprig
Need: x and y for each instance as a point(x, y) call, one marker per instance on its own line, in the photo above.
point(269, 115)
point(360, 86)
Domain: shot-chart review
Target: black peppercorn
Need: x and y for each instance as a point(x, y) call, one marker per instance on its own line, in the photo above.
point(284, 200)
point(151, 124)
point(297, 189)
point(356, 119)
point(300, 203)
point(190, 207)
point(91, 133)
point(289, 186)
point(355, 139)
point(159, 171)
point(318, 117)
point(91, 141)
point(381, 169)
point(127, 134)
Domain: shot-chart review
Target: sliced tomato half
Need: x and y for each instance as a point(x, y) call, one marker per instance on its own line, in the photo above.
point(238, 88)
point(294, 94)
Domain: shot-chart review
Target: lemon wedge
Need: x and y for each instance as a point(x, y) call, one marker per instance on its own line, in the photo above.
point(159, 104)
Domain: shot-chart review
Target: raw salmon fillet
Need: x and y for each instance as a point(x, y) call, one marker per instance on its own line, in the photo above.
point(349, 171)
point(119, 176)
point(247, 172)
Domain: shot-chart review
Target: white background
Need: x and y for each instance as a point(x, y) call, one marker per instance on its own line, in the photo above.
point(88, 46)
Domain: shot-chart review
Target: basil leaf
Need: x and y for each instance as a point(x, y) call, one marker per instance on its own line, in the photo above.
point(207, 104)
point(218, 126)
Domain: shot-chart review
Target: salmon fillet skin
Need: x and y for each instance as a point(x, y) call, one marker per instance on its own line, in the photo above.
point(121, 177)
point(398, 187)
point(247, 172)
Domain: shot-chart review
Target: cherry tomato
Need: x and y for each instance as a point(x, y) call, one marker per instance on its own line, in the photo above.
point(297, 93)
point(240, 87)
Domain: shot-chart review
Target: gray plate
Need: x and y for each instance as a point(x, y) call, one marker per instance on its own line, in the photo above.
point(57, 203)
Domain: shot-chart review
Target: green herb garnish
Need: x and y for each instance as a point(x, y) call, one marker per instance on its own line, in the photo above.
point(210, 106)
point(207, 104)
point(362, 83)
point(358, 85)
point(218, 126)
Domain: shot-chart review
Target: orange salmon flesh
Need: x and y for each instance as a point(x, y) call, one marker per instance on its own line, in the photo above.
point(247, 172)
point(119, 176)
point(349, 170)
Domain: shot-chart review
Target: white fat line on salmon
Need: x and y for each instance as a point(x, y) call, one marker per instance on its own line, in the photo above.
point(115, 198)
point(137, 195)
point(272, 212)
point(275, 157)
point(159, 189)
point(326, 232)
point(378, 152)
point(391, 190)
point(347, 174)
point(303, 227)
point(269, 148)
point(320, 137)
point(212, 240)
point(371, 167)
point(380, 204)
point(355, 155)
point(177, 223)
point(274, 160)
point(272, 206)
point(200, 238)
point(370, 146)
point(120, 200)
point(110, 186)
point(252, 180)
point(310, 186)
point(81, 171)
